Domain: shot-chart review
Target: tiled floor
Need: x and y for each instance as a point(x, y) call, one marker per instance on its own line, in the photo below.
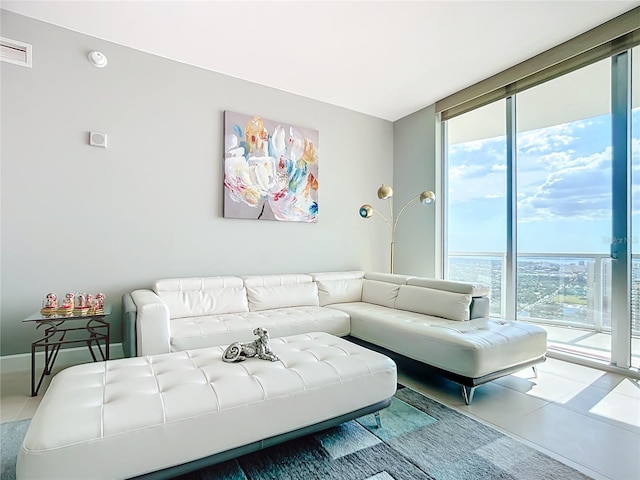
point(16, 402)
point(587, 418)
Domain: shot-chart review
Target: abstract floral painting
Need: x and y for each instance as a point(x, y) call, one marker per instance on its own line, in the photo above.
point(270, 169)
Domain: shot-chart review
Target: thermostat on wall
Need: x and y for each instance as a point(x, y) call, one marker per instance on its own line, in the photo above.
point(98, 139)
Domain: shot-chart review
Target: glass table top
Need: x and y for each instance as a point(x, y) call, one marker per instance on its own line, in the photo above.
point(39, 316)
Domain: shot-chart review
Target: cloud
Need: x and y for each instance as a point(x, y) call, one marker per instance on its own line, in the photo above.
point(546, 139)
point(555, 160)
point(472, 146)
point(635, 149)
point(459, 171)
point(468, 171)
point(559, 176)
point(581, 191)
point(468, 162)
point(578, 188)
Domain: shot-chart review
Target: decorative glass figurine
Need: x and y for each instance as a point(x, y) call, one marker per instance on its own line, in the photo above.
point(50, 304)
point(67, 305)
point(100, 297)
point(80, 308)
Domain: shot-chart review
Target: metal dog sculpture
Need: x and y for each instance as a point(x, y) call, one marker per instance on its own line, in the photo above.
point(237, 352)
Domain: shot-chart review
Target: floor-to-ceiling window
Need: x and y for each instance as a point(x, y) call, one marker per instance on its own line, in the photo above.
point(568, 213)
point(564, 208)
point(476, 190)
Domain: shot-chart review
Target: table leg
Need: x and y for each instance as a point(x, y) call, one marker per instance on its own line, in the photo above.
point(91, 339)
point(47, 333)
point(34, 392)
point(95, 335)
point(50, 353)
point(108, 338)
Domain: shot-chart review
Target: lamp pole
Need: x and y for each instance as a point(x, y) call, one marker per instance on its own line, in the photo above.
point(386, 193)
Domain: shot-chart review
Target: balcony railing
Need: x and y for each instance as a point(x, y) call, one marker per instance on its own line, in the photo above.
point(558, 289)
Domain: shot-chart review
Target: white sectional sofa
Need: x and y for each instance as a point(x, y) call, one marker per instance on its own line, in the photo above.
point(440, 323)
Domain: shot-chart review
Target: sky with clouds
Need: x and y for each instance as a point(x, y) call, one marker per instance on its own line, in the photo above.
point(563, 190)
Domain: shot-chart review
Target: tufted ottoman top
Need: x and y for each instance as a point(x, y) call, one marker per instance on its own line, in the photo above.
point(127, 417)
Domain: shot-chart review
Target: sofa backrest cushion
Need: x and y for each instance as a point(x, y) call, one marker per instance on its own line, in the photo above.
point(474, 289)
point(382, 288)
point(339, 287)
point(388, 277)
point(438, 303)
point(265, 292)
point(192, 297)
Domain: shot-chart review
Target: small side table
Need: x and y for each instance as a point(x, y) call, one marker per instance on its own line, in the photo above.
point(93, 329)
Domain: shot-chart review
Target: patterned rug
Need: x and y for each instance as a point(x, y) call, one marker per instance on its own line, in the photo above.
point(419, 439)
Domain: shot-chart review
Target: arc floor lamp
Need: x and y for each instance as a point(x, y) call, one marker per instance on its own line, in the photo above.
point(385, 192)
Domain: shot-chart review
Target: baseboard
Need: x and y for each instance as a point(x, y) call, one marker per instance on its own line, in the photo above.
point(66, 358)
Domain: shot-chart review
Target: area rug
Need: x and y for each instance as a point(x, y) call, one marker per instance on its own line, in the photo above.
point(11, 436)
point(419, 439)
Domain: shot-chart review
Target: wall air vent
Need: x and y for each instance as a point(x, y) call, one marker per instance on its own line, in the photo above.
point(15, 52)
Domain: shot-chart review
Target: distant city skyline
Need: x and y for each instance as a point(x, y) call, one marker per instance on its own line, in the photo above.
point(563, 189)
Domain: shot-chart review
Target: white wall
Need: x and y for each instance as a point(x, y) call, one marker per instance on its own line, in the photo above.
point(414, 157)
point(80, 218)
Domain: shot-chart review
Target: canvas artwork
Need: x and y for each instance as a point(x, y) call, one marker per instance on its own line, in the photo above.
point(270, 169)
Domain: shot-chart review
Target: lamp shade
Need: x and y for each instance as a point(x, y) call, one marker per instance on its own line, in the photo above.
point(384, 192)
point(366, 211)
point(427, 197)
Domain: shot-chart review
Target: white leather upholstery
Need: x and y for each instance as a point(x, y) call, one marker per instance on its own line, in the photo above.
point(379, 293)
point(382, 288)
point(205, 331)
point(473, 289)
point(472, 349)
point(388, 277)
point(425, 319)
point(141, 414)
point(339, 287)
point(438, 303)
point(152, 323)
point(266, 298)
point(188, 297)
point(266, 292)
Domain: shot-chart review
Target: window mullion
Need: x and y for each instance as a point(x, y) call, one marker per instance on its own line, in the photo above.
point(621, 210)
point(511, 291)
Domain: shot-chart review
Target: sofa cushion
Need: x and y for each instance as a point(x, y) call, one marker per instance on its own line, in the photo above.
point(474, 289)
point(339, 287)
point(188, 297)
point(438, 303)
point(380, 293)
point(276, 280)
point(388, 277)
point(211, 330)
point(265, 292)
point(471, 349)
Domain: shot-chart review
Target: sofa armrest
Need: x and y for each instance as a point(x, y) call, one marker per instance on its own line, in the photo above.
point(129, 312)
point(479, 307)
point(151, 323)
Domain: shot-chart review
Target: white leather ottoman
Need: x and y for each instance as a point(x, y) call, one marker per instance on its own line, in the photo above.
point(125, 418)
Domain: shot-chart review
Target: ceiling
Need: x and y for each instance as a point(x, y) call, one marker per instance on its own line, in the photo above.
point(383, 58)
